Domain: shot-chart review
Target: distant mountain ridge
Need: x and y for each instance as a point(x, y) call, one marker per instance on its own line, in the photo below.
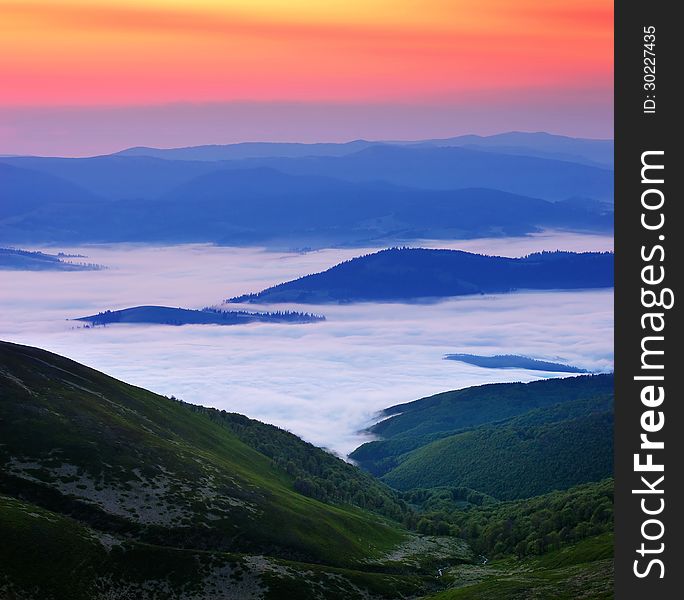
point(586, 151)
point(217, 152)
point(121, 177)
point(410, 274)
point(319, 195)
point(596, 152)
point(264, 205)
point(454, 167)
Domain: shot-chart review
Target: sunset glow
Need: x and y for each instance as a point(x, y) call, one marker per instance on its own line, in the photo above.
point(101, 53)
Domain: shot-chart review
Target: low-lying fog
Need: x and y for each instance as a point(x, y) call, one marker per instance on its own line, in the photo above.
point(321, 381)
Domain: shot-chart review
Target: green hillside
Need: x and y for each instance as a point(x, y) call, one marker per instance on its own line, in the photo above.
point(558, 546)
point(316, 473)
point(48, 556)
point(583, 570)
point(528, 527)
point(406, 427)
point(114, 487)
point(545, 449)
point(111, 492)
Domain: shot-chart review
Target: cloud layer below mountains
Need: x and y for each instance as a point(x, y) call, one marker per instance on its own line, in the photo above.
point(322, 381)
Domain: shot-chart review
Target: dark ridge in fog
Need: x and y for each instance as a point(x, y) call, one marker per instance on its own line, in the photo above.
point(410, 274)
point(13, 259)
point(513, 361)
point(165, 315)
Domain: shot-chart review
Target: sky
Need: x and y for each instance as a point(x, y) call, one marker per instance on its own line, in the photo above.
point(82, 77)
point(322, 381)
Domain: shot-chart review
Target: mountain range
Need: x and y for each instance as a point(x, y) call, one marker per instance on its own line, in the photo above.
point(319, 194)
point(448, 168)
point(588, 151)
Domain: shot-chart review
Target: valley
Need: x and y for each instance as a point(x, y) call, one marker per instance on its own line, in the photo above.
point(155, 496)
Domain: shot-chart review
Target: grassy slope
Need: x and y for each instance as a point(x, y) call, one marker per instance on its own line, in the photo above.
point(545, 449)
point(419, 423)
point(580, 571)
point(75, 429)
point(528, 527)
point(52, 557)
point(317, 473)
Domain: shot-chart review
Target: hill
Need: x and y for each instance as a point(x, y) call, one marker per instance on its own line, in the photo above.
point(543, 450)
point(108, 490)
point(115, 177)
point(13, 259)
point(584, 571)
point(563, 542)
point(405, 427)
point(23, 191)
point(522, 528)
point(406, 274)
point(165, 315)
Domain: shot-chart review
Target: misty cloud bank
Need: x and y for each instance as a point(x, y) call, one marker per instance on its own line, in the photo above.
point(322, 381)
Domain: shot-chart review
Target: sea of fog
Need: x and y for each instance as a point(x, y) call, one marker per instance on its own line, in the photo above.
point(323, 381)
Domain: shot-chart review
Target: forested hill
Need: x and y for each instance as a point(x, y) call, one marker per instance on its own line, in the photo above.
point(487, 403)
point(543, 450)
point(405, 274)
point(506, 440)
point(13, 259)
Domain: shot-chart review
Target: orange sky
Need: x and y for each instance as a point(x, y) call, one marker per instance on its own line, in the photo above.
point(88, 76)
point(100, 52)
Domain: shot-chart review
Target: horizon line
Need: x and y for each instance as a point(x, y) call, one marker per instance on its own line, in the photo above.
point(369, 140)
